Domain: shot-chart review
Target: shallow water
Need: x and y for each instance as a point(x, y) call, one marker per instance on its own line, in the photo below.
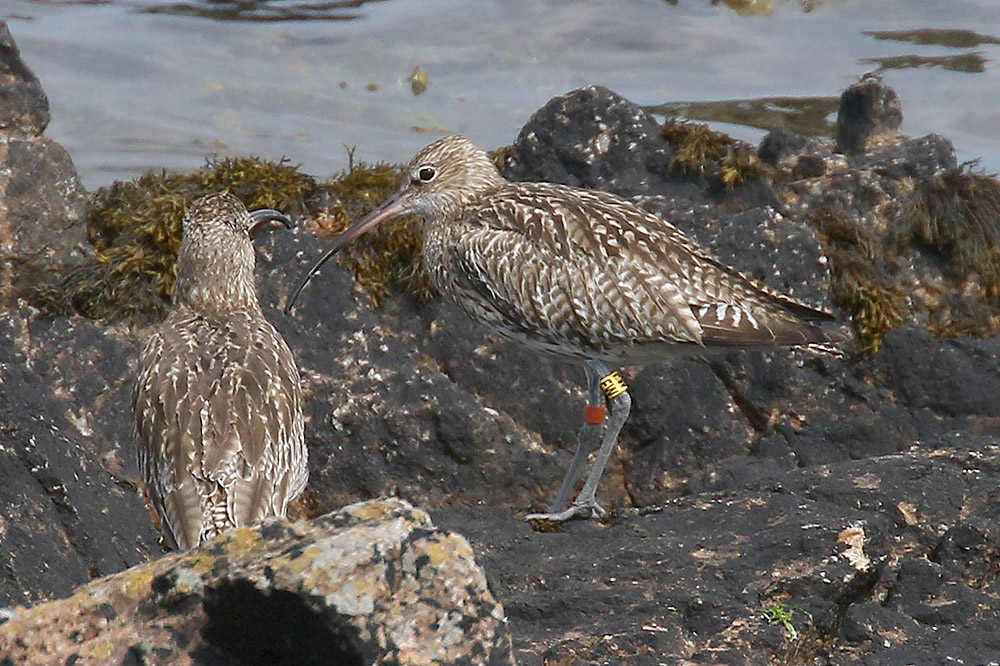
point(139, 84)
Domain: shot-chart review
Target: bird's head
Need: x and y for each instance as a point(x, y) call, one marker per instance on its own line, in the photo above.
point(439, 183)
point(215, 262)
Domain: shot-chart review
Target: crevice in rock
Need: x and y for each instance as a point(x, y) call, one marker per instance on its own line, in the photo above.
point(276, 627)
point(54, 489)
point(755, 416)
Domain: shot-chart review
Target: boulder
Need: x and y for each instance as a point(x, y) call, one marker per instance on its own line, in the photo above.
point(372, 583)
point(42, 201)
point(25, 108)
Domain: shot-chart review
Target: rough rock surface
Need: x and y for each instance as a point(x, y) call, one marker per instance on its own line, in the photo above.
point(860, 489)
point(869, 116)
point(887, 560)
point(372, 583)
point(42, 201)
point(68, 505)
point(25, 109)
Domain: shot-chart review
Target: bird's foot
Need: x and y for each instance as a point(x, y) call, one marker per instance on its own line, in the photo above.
point(578, 509)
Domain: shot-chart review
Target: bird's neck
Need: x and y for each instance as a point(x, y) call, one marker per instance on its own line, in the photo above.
point(215, 284)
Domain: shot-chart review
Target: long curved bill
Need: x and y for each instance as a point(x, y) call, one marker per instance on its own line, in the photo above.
point(390, 208)
point(263, 215)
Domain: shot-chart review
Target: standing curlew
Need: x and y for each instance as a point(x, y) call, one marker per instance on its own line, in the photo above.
point(581, 274)
point(217, 402)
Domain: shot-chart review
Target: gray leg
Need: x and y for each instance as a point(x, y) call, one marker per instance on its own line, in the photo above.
point(585, 505)
point(587, 440)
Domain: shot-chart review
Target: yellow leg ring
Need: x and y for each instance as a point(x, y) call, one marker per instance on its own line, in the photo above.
point(613, 385)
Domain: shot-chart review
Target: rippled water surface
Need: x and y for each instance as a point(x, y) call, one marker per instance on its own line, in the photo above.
point(139, 84)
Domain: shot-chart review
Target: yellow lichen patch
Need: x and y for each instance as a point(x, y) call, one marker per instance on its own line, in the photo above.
point(202, 564)
point(444, 548)
point(297, 565)
point(371, 510)
point(98, 649)
point(243, 541)
point(135, 230)
point(136, 583)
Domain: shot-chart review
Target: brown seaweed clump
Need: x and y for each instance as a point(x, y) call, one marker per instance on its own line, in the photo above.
point(864, 281)
point(388, 256)
point(135, 230)
point(935, 264)
point(955, 219)
point(702, 152)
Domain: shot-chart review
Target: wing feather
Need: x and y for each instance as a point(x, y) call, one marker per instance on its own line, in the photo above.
point(584, 272)
point(219, 424)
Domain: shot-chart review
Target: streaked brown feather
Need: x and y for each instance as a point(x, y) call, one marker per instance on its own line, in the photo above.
point(217, 401)
point(586, 274)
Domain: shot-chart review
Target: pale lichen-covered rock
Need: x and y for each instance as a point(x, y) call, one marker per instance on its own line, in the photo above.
point(372, 583)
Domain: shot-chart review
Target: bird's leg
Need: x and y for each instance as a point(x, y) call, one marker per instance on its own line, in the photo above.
point(585, 505)
point(588, 438)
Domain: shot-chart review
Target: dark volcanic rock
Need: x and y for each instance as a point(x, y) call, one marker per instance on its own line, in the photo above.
point(593, 137)
point(869, 116)
point(857, 552)
point(24, 109)
point(69, 510)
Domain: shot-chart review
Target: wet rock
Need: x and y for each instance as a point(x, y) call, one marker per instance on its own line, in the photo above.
point(24, 107)
point(869, 116)
point(375, 582)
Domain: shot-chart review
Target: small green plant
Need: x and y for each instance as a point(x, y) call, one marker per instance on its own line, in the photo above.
point(783, 613)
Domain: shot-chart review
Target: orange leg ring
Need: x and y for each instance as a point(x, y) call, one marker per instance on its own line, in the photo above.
point(593, 415)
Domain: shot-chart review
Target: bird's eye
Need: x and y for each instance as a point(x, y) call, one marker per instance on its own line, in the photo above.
point(426, 174)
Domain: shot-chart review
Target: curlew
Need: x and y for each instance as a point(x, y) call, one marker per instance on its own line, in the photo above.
point(217, 403)
point(582, 274)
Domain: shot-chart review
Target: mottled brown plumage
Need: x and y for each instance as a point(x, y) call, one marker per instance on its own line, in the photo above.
point(217, 402)
point(583, 274)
